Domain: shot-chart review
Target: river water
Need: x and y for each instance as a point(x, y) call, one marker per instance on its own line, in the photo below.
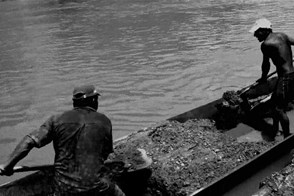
point(150, 59)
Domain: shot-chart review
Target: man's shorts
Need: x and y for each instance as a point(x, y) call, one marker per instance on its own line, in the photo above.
point(284, 91)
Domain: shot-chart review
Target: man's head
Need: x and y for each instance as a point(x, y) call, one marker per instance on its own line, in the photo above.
point(85, 95)
point(261, 29)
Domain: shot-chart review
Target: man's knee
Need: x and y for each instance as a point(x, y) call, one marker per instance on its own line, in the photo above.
point(279, 110)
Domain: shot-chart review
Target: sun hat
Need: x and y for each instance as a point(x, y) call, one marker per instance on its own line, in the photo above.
point(84, 91)
point(261, 23)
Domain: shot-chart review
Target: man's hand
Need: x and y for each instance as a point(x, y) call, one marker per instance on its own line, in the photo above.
point(5, 171)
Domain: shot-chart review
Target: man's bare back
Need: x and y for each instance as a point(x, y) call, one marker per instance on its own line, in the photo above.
point(277, 47)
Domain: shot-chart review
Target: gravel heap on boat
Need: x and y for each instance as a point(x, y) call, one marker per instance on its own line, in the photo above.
point(279, 183)
point(229, 110)
point(188, 156)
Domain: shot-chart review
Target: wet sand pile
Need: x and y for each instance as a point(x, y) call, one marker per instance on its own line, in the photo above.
point(279, 183)
point(187, 156)
point(229, 110)
point(235, 108)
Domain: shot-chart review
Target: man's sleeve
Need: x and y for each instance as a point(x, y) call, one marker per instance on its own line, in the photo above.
point(108, 148)
point(43, 135)
point(109, 142)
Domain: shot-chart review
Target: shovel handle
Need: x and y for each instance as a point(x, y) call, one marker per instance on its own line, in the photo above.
point(245, 89)
point(32, 168)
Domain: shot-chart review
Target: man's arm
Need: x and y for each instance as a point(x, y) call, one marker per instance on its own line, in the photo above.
point(37, 139)
point(265, 66)
point(21, 151)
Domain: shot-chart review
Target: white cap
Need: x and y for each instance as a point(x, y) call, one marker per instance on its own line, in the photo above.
point(261, 23)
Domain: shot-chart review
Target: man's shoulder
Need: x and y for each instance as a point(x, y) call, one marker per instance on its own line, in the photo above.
point(275, 39)
point(75, 114)
point(63, 114)
point(280, 34)
point(101, 115)
point(278, 37)
point(58, 115)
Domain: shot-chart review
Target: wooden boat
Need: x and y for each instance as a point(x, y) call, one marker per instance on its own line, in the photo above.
point(253, 121)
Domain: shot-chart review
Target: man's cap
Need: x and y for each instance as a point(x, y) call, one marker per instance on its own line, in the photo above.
point(84, 91)
point(261, 23)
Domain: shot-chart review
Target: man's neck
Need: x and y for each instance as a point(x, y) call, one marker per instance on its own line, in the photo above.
point(267, 35)
point(85, 107)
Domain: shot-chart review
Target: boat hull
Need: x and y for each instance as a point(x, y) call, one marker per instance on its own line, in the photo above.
point(39, 183)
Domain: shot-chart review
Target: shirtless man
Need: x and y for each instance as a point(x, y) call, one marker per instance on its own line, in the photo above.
point(277, 47)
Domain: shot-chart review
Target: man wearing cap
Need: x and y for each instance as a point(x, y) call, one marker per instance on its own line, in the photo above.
point(82, 141)
point(277, 47)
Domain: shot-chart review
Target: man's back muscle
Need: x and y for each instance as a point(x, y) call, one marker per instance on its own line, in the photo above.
point(278, 48)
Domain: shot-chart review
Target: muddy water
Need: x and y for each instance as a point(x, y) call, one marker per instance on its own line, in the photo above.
point(150, 59)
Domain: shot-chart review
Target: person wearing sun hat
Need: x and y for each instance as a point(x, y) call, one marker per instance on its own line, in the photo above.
point(82, 140)
point(277, 47)
point(261, 23)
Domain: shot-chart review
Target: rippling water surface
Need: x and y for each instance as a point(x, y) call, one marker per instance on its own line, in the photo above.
point(150, 59)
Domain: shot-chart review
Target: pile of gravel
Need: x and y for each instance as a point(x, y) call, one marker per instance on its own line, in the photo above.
point(187, 156)
point(280, 183)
